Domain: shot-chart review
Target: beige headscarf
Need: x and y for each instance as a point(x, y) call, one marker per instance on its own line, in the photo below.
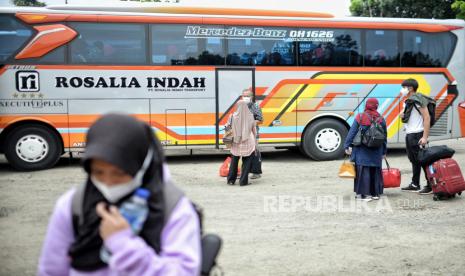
point(242, 122)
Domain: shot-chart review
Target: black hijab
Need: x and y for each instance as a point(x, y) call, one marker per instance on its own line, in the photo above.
point(124, 142)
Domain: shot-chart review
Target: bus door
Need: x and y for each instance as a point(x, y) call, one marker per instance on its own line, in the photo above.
point(229, 86)
point(176, 125)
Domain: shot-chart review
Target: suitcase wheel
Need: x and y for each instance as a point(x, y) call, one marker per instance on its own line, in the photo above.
point(459, 193)
point(435, 198)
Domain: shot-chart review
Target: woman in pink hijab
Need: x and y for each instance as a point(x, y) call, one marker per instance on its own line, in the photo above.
point(244, 128)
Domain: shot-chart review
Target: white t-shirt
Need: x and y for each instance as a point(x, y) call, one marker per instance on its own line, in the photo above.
point(415, 123)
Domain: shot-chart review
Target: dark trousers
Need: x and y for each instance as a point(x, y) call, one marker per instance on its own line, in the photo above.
point(245, 170)
point(411, 142)
point(256, 162)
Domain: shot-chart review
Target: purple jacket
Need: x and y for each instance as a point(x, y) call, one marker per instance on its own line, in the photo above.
point(180, 244)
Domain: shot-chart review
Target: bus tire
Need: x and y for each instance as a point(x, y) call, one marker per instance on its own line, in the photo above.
point(32, 147)
point(324, 140)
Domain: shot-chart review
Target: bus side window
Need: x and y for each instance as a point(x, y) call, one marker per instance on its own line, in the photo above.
point(171, 46)
point(340, 49)
point(80, 50)
point(248, 51)
point(427, 49)
point(381, 48)
point(108, 43)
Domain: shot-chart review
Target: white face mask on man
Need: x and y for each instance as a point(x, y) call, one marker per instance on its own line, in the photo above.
point(404, 91)
point(113, 193)
point(247, 99)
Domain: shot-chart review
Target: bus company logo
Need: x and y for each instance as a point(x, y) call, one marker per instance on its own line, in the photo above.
point(152, 83)
point(27, 81)
point(234, 32)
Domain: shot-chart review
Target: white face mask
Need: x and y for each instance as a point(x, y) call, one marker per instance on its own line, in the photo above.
point(114, 193)
point(247, 99)
point(404, 91)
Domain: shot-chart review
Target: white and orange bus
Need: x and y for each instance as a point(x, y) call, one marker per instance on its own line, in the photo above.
point(181, 70)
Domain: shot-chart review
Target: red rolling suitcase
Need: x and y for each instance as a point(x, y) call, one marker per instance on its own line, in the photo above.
point(445, 178)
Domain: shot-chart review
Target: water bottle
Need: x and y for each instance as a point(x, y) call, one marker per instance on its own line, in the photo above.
point(135, 211)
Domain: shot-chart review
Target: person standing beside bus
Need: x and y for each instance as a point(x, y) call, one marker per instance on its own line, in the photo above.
point(248, 97)
point(417, 125)
point(243, 146)
point(368, 182)
point(122, 154)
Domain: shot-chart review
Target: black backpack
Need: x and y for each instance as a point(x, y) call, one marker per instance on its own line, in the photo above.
point(375, 135)
point(431, 110)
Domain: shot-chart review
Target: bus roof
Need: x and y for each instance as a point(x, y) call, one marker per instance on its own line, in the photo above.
point(227, 17)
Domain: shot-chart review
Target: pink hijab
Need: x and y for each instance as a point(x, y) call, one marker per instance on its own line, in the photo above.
point(242, 122)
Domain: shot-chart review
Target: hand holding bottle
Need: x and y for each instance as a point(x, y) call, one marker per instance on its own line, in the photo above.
point(112, 220)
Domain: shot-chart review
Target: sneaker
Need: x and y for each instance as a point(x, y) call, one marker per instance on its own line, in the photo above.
point(364, 198)
point(255, 176)
point(426, 191)
point(375, 197)
point(230, 183)
point(411, 188)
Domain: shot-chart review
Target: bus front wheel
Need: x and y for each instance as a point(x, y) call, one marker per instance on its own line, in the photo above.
point(32, 147)
point(324, 140)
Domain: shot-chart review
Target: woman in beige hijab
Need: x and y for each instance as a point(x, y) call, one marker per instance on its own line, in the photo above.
point(244, 131)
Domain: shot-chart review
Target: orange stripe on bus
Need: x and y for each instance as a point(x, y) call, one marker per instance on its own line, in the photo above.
point(279, 135)
point(56, 121)
point(391, 105)
point(259, 91)
point(444, 104)
point(33, 18)
point(443, 90)
point(233, 11)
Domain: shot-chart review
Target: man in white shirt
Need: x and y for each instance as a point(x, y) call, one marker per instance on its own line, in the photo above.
point(417, 126)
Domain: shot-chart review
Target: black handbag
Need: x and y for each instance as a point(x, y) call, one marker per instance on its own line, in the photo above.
point(429, 155)
point(358, 138)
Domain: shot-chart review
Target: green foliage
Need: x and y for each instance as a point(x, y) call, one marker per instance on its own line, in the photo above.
point(459, 9)
point(28, 3)
point(439, 9)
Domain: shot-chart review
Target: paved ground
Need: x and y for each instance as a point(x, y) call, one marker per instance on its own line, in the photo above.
point(299, 219)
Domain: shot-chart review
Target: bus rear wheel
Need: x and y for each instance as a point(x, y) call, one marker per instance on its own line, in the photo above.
point(32, 147)
point(324, 140)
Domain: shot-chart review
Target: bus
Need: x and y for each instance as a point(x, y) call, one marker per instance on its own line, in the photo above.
point(182, 70)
